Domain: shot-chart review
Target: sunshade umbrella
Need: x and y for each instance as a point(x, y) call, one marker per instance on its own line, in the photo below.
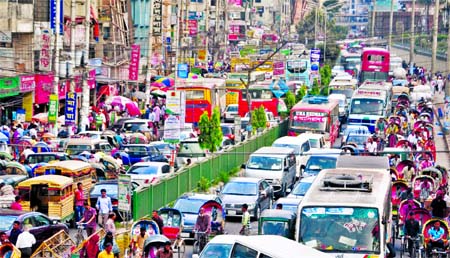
point(120, 101)
point(157, 84)
point(3, 138)
point(6, 155)
point(156, 240)
point(41, 117)
point(48, 135)
point(132, 109)
point(166, 81)
point(158, 93)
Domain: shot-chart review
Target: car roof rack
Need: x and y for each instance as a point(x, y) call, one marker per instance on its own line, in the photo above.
point(347, 182)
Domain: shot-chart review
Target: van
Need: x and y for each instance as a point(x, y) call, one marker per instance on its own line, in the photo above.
point(271, 246)
point(316, 141)
point(277, 165)
point(301, 145)
point(77, 146)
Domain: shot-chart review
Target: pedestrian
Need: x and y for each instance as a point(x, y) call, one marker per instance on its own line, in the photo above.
point(157, 112)
point(89, 218)
point(15, 232)
point(165, 251)
point(159, 221)
point(104, 207)
point(79, 202)
point(16, 204)
point(245, 230)
point(25, 241)
point(107, 253)
point(137, 244)
point(91, 248)
point(440, 84)
point(438, 205)
point(109, 225)
point(3, 238)
point(109, 239)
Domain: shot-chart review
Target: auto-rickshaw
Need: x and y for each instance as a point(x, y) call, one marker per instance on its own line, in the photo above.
point(49, 194)
point(8, 250)
point(78, 170)
point(277, 222)
point(173, 225)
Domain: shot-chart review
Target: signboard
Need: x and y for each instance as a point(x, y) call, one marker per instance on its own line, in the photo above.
point(53, 16)
point(183, 71)
point(173, 102)
point(27, 83)
point(202, 55)
point(71, 108)
point(157, 17)
point(310, 119)
point(315, 55)
point(278, 68)
point(172, 129)
point(195, 15)
point(192, 26)
point(5, 36)
point(45, 54)
point(133, 70)
point(53, 108)
point(9, 86)
point(124, 193)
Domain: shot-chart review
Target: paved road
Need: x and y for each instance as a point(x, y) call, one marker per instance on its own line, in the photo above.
point(420, 60)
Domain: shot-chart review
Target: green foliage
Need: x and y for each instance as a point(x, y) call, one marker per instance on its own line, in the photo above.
point(325, 75)
point(289, 100)
point(301, 93)
point(224, 177)
point(259, 119)
point(203, 184)
point(315, 89)
point(211, 136)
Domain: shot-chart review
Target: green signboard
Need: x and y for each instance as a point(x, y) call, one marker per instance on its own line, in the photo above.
point(53, 109)
point(9, 86)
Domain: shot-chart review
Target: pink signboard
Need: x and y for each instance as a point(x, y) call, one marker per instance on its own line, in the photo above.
point(312, 119)
point(45, 54)
point(233, 37)
point(44, 87)
point(192, 26)
point(133, 70)
point(27, 83)
point(235, 2)
point(278, 68)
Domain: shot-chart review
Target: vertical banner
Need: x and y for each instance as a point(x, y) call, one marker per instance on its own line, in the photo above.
point(202, 54)
point(27, 105)
point(183, 71)
point(133, 70)
point(278, 68)
point(71, 108)
point(27, 83)
point(45, 56)
point(192, 26)
point(53, 108)
point(53, 16)
point(157, 17)
point(124, 193)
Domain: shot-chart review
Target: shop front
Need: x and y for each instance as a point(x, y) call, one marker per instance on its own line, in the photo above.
point(10, 99)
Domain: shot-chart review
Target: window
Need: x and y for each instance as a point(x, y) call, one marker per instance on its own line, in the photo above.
point(41, 221)
point(241, 251)
point(305, 147)
point(265, 184)
point(264, 256)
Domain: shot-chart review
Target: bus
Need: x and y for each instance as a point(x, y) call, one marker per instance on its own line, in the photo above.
point(317, 115)
point(375, 63)
point(298, 70)
point(347, 213)
point(261, 95)
point(202, 95)
point(234, 84)
point(366, 107)
point(350, 59)
point(343, 84)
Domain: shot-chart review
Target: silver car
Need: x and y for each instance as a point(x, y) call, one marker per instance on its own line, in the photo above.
point(255, 192)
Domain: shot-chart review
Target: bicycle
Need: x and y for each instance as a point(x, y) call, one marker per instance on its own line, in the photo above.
point(415, 250)
point(79, 237)
point(201, 239)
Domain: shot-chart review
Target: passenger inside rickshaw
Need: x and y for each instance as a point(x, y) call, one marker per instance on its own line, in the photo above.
point(435, 236)
point(279, 228)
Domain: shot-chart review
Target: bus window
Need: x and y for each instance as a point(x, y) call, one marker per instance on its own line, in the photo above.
point(195, 94)
point(241, 251)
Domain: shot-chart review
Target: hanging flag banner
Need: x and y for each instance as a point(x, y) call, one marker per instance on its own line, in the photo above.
point(157, 17)
point(71, 108)
point(45, 54)
point(133, 70)
point(53, 16)
point(53, 108)
point(193, 28)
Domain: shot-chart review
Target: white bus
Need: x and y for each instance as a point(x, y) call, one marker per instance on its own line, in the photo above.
point(366, 107)
point(347, 213)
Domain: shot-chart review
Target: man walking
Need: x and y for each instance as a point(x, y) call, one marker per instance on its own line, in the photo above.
point(104, 207)
point(79, 202)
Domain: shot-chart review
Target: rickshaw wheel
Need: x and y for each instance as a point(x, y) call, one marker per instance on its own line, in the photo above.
point(180, 248)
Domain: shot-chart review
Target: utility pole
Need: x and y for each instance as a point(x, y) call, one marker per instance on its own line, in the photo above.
point(391, 23)
point(56, 64)
point(207, 30)
point(148, 75)
point(374, 14)
point(178, 41)
point(85, 98)
point(412, 39)
point(72, 39)
point(448, 40)
point(435, 34)
point(325, 38)
point(316, 22)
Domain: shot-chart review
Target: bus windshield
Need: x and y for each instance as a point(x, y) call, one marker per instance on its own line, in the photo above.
point(340, 229)
point(367, 106)
point(297, 66)
point(347, 92)
point(373, 76)
point(350, 63)
point(315, 123)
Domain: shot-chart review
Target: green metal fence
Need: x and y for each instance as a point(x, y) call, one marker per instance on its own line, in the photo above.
point(168, 190)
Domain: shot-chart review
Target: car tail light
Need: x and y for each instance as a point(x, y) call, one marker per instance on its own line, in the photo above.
point(147, 181)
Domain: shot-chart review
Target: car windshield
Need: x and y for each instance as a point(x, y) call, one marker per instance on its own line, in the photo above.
point(319, 163)
point(367, 107)
point(188, 206)
point(315, 143)
point(34, 159)
point(163, 148)
point(301, 188)
point(340, 229)
point(216, 250)
point(190, 149)
point(280, 228)
point(347, 92)
point(111, 189)
point(143, 170)
point(134, 127)
point(289, 207)
point(240, 188)
point(77, 149)
point(6, 221)
point(135, 150)
point(296, 147)
point(265, 163)
point(232, 109)
point(358, 139)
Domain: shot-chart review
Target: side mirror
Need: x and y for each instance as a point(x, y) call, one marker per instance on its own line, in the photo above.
point(55, 222)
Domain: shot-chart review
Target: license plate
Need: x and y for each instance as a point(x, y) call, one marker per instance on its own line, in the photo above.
point(232, 213)
point(184, 234)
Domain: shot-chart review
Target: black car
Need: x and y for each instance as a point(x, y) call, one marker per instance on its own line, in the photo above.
point(42, 227)
point(111, 187)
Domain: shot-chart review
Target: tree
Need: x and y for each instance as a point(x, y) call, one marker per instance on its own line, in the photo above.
point(211, 136)
point(259, 118)
point(315, 89)
point(290, 100)
point(325, 75)
point(301, 93)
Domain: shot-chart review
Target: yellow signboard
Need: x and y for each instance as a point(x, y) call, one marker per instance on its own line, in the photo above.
point(202, 55)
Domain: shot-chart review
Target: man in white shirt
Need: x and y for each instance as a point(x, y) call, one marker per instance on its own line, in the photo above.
point(412, 138)
point(27, 152)
point(371, 146)
point(25, 241)
point(33, 132)
point(104, 207)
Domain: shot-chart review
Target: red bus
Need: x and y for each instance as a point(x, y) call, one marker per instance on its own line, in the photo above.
point(317, 115)
point(203, 95)
point(261, 95)
point(375, 64)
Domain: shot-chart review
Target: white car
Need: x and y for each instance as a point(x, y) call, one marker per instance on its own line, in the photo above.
point(148, 172)
point(219, 246)
point(316, 140)
point(230, 112)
